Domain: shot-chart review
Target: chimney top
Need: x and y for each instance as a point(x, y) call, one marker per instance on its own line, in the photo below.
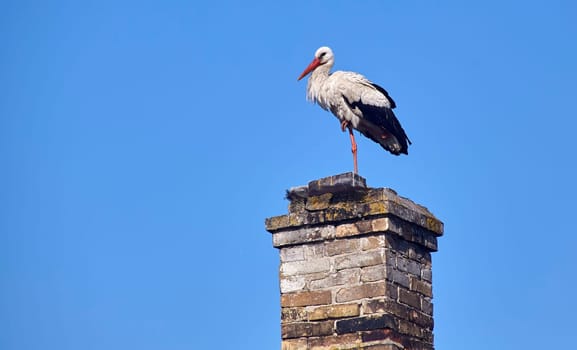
point(346, 197)
point(347, 182)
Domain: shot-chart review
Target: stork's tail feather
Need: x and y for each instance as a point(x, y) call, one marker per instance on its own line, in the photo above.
point(397, 142)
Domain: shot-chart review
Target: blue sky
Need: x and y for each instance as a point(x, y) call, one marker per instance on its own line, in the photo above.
point(143, 143)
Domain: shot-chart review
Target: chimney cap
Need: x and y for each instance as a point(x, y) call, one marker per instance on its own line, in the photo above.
point(347, 182)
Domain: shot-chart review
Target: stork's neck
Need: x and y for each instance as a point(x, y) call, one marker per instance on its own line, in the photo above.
point(316, 82)
point(321, 73)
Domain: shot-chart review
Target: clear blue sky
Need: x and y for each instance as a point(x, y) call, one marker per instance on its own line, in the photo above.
point(143, 143)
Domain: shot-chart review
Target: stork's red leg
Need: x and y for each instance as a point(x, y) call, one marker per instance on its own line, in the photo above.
point(353, 148)
point(346, 124)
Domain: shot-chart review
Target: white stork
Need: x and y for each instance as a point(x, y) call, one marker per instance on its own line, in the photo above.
point(357, 102)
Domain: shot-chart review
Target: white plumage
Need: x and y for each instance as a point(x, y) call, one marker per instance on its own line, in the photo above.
point(357, 102)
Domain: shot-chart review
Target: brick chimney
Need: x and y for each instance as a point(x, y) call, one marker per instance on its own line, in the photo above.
point(355, 267)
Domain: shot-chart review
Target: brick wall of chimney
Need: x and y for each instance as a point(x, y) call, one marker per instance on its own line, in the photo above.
point(355, 268)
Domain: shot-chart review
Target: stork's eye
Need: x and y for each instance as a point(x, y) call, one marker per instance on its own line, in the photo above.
point(322, 54)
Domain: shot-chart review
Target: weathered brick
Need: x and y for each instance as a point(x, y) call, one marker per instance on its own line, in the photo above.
point(427, 306)
point(417, 344)
point(391, 258)
point(314, 251)
point(306, 298)
point(295, 253)
point(397, 243)
point(365, 323)
point(398, 277)
point(304, 267)
point(341, 246)
point(409, 328)
point(379, 335)
point(334, 311)
point(419, 254)
point(319, 202)
point(386, 306)
point(344, 212)
point(427, 335)
point(307, 329)
point(392, 291)
point(360, 292)
point(374, 306)
point(305, 219)
point(410, 298)
point(292, 283)
point(303, 235)
point(316, 276)
point(427, 274)
point(276, 222)
point(423, 320)
point(373, 273)
point(333, 342)
point(295, 344)
point(412, 232)
point(380, 225)
point(387, 346)
point(359, 260)
point(364, 226)
point(372, 242)
point(408, 265)
point(293, 314)
point(346, 230)
point(405, 209)
point(422, 287)
point(348, 277)
point(431, 243)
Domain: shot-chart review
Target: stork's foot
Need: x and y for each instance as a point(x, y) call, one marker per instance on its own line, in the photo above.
point(344, 125)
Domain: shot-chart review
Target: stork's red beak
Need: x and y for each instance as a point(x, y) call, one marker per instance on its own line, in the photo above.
point(314, 64)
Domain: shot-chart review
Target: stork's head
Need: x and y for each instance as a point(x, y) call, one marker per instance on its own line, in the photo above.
point(323, 56)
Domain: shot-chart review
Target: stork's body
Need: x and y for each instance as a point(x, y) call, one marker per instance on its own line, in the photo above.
point(357, 103)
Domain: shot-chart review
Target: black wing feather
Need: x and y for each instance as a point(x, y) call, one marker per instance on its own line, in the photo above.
point(384, 118)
